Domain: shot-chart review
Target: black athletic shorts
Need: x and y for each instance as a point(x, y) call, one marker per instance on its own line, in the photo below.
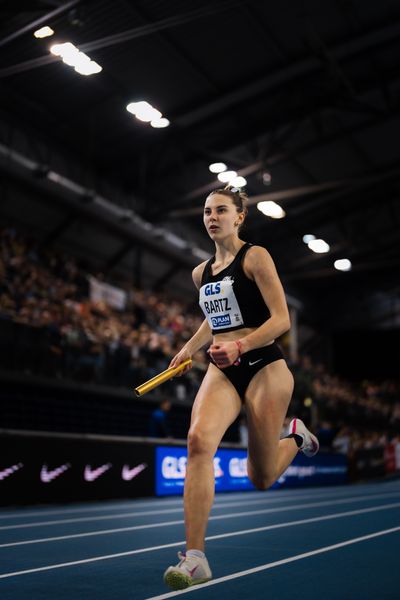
point(250, 363)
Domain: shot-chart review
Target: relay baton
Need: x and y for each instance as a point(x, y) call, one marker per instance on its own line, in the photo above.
point(161, 378)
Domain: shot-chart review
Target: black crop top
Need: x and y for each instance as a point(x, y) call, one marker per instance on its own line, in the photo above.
point(230, 300)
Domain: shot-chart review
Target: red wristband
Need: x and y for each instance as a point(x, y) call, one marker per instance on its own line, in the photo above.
point(240, 350)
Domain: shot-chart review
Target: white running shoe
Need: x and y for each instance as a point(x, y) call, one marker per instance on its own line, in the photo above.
point(310, 445)
point(191, 570)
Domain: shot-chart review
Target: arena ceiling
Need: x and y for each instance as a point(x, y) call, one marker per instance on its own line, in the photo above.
point(300, 97)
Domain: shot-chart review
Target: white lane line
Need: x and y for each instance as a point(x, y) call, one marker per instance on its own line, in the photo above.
point(86, 509)
point(152, 512)
point(222, 500)
point(181, 522)
point(100, 506)
point(208, 538)
point(349, 499)
point(277, 563)
point(219, 502)
point(168, 524)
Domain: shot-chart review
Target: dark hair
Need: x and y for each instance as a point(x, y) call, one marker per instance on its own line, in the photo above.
point(238, 197)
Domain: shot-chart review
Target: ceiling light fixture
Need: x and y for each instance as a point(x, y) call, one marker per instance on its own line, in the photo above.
point(159, 123)
point(342, 264)
point(238, 182)
point(227, 176)
point(319, 246)
point(43, 32)
point(271, 209)
point(146, 113)
point(308, 238)
point(73, 57)
point(217, 167)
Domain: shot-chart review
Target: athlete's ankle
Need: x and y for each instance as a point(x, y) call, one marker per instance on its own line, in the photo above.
point(194, 552)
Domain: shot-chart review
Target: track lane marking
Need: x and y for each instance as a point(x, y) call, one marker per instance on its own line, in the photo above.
point(222, 500)
point(208, 538)
point(276, 563)
point(168, 524)
point(349, 499)
point(220, 504)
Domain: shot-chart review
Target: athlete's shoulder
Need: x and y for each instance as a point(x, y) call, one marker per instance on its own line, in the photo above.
point(257, 259)
point(255, 253)
point(197, 273)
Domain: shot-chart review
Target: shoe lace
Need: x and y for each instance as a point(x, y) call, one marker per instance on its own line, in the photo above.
point(186, 562)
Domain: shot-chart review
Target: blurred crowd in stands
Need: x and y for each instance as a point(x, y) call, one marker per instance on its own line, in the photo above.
point(58, 331)
point(348, 416)
point(50, 327)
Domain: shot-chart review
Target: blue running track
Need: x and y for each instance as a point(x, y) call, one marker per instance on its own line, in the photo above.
point(337, 543)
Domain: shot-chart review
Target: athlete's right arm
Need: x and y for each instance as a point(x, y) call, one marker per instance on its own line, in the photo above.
point(202, 336)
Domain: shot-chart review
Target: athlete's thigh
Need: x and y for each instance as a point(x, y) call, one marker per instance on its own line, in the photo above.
point(216, 406)
point(267, 399)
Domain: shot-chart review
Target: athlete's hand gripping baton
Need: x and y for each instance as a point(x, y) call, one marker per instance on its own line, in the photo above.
point(149, 385)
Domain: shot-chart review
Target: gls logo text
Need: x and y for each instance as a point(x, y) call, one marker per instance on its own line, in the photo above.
point(238, 467)
point(174, 467)
point(212, 288)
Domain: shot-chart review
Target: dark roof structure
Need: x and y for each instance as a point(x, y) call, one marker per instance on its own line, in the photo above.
point(299, 97)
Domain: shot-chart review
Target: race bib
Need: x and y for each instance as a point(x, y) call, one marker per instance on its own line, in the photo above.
point(219, 305)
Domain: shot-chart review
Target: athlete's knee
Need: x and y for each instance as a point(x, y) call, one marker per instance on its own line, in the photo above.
point(260, 478)
point(262, 482)
point(199, 443)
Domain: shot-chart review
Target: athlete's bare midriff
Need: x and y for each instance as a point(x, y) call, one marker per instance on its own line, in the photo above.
point(231, 336)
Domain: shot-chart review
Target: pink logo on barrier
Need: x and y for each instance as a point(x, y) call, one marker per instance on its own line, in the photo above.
point(47, 476)
point(10, 471)
point(92, 474)
point(128, 474)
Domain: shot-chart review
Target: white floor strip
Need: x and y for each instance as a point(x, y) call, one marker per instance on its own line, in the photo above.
point(223, 499)
point(208, 538)
point(347, 500)
point(166, 524)
point(235, 500)
point(180, 510)
point(277, 563)
point(101, 506)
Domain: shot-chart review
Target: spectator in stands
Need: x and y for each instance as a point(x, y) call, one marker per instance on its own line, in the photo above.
point(326, 433)
point(159, 425)
point(342, 441)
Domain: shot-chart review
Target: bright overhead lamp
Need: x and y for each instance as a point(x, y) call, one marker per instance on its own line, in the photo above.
point(319, 246)
point(145, 112)
point(342, 264)
point(159, 123)
point(227, 176)
point(217, 167)
point(238, 182)
point(148, 114)
point(60, 49)
point(308, 238)
point(271, 209)
point(73, 57)
point(89, 68)
point(43, 32)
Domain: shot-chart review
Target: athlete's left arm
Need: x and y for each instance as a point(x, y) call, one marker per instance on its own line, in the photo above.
point(259, 266)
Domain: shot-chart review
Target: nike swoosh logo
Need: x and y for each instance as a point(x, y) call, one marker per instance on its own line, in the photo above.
point(254, 362)
point(128, 474)
point(47, 476)
point(10, 470)
point(192, 572)
point(93, 474)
